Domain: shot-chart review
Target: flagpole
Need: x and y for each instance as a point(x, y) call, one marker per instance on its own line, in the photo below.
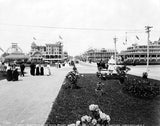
point(115, 40)
point(148, 32)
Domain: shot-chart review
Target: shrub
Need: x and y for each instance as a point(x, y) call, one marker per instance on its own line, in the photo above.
point(145, 75)
point(141, 88)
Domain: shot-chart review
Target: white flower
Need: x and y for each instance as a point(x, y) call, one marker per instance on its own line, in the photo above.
point(94, 121)
point(104, 116)
point(93, 107)
point(86, 118)
point(108, 118)
point(89, 119)
point(78, 123)
point(83, 118)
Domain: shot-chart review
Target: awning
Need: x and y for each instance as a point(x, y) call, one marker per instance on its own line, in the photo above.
point(16, 56)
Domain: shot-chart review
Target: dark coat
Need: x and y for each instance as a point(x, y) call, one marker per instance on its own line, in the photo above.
point(15, 75)
point(32, 69)
point(22, 66)
point(42, 71)
point(37, 70)
point(9, 74)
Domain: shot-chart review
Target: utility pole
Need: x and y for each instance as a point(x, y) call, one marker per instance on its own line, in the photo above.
point(147, 28)
point(115, 41)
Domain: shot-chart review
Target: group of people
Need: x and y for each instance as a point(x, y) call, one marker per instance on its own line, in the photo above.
point(36, 69)
point(12, 73)
point(39, 69)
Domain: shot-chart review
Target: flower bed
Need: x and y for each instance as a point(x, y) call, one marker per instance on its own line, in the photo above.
point(71, 104)
point(141, 87)
point(96, 118)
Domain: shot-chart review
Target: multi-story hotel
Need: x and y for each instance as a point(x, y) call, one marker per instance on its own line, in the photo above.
point(96, 55)
point(50, 52)
point(137, 54)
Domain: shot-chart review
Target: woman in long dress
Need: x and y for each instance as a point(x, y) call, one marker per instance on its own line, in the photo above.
point(9, 73)
point(48, 70)
point(32, 69)
point(37, 69)
point(15, 74)
point(111, 65)
point(41, 70)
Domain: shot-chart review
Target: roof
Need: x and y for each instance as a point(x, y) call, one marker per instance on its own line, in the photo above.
point(16, 56)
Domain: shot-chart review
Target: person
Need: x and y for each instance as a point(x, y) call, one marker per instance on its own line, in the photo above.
point(37, 69)
point(32, 69)
point(9, 74)
point(48, 70)
point(124, 69)
point(106, 66)
point(59, 65)
point(41, 70)
point(111, 65)
point(22, 67)
point(3, 68)
point(15, 74)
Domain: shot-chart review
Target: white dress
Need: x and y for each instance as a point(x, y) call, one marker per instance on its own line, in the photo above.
point(111, 65)
point(48, 70)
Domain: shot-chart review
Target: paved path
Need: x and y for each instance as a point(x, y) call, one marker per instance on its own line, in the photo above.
point(29, 100)
point(153, 73)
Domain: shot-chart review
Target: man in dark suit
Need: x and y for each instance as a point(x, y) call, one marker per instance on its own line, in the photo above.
point(22, 67)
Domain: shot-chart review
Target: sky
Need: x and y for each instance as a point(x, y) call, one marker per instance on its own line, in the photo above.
point(82, 24)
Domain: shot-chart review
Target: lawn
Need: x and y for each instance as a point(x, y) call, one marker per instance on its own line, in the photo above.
point(71, 104)
point(2, 76)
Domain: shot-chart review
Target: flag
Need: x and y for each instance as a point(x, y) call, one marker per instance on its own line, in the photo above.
point(137, 37)
point(60, 37)
point(124, 43)
point(125, 40)
point(150, 43)
point(34, 38)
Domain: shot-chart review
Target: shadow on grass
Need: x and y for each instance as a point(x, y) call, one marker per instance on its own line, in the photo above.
point(71, 104)
point(2, 77)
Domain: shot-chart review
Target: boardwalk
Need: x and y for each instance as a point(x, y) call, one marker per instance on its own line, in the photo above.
point(29, 100)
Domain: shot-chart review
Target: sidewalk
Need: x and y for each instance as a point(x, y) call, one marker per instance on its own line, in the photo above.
point(153, 71)
point(29, 100)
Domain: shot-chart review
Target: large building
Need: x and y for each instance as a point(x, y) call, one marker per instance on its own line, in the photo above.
point(95, 55)
point(137, 54)
point(52, 52)
point(14, 53)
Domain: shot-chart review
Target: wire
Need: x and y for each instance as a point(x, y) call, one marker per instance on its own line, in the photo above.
point(74, 28)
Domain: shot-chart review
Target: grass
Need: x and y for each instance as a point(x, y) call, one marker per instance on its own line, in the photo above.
point(2, 76)
point(71, 104)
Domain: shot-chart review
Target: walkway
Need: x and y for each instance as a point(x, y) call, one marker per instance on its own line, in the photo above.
point(29, 100)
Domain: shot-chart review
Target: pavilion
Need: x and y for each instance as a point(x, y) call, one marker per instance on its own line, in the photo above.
point(15, 53)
